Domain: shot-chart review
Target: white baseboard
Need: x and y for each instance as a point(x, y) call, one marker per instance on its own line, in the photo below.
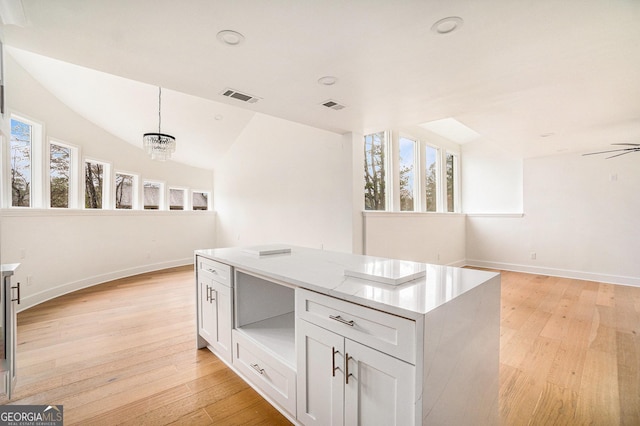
point(564, 273)
point(52, 293)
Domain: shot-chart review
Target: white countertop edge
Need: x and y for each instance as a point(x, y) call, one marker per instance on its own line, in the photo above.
point(345, 288)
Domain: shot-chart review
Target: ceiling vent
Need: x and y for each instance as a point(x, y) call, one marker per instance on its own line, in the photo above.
point(333, 105)
point(232, 93)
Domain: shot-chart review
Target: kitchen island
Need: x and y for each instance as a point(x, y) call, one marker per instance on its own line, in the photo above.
point(337, 338)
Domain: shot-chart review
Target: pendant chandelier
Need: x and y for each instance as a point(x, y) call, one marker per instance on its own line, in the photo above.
point(159, 145)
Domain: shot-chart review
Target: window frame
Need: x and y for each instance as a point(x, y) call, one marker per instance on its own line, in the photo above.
point(185, 197)
point(456, 183)
point(37, 190)
point(421, 145)
point(389, 171)
point(135, 188)
point(417, 164)
point(107, 180)
point(74, 177)
point(209, 201)
point(161, 201)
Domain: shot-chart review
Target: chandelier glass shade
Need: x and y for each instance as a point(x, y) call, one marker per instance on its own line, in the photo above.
point(159, 145)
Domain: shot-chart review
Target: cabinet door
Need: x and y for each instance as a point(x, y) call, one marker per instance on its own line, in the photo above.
point(221, 302)
point(214, 324)
point(320, 380)
point(207, 327)
point(380, 388)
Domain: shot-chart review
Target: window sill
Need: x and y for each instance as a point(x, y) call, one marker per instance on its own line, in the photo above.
point(33, 212)
point(390, 214)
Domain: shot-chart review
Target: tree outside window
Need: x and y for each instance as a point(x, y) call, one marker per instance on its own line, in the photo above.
point(451, 176)
point(59, 175)
point(124, 191)
point(93, 180)
point(374, 171)
point(431, 180)
point(21, 154)
point(407, 162)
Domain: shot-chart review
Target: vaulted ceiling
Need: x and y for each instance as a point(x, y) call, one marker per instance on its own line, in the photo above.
point(531, 77)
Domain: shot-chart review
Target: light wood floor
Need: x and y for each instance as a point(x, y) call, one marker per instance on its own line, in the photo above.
point(124, 353)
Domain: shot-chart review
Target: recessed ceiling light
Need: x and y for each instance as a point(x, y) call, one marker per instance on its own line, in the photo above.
point(328, 80)
point(230, 37)
point(447, 25)
point(218, 117)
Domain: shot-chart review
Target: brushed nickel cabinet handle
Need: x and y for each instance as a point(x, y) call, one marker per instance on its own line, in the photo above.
point(257, 368)
point(18, 298)
point(333, 361)
point(346, 363)
point(338, 318)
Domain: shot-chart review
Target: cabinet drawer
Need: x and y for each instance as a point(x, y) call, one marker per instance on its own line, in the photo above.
point(385, 332)
point(274, 378)
point(215, 270)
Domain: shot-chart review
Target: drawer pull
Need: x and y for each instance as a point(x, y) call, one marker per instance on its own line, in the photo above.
point(342, 320)
point(346, 363)
point(213, 271)
point(257, 368)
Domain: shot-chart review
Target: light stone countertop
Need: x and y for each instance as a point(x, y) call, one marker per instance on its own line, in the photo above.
point(324, 272)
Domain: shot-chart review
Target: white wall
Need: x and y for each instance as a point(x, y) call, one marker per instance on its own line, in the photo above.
point(67, 250)
point(285, 182)
point(61, 251)
point(491, 180)
point(580, 219)
point(421, 237)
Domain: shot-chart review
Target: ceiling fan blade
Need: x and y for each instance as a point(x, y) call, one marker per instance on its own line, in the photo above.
point(612, 150)
point(622, 153)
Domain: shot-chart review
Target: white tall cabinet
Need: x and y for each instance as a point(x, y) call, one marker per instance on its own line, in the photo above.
point(330, 349)
point(9, 297)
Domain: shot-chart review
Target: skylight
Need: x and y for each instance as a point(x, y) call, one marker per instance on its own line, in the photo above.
point(452, 129)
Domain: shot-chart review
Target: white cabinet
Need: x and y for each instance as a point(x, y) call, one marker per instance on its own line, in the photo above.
point(9, 297)
point(215, 307)
point(264, 338)
point(328, 350)
point(320, 375)
point(380, 388)
point(274, 378)
point(341, 381)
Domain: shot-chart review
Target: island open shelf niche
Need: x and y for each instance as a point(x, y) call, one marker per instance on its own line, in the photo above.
point(265, 312)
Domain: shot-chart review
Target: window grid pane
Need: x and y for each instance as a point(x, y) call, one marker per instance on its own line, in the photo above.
point(59, 174)
point(124, 191)
point(431, 180)
point(200, 201)
point(451, 163)
point(374, 171)
point(94, 179)
point(21, 154)
point(176, 199)
point(152, 195)
point(407, 167)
